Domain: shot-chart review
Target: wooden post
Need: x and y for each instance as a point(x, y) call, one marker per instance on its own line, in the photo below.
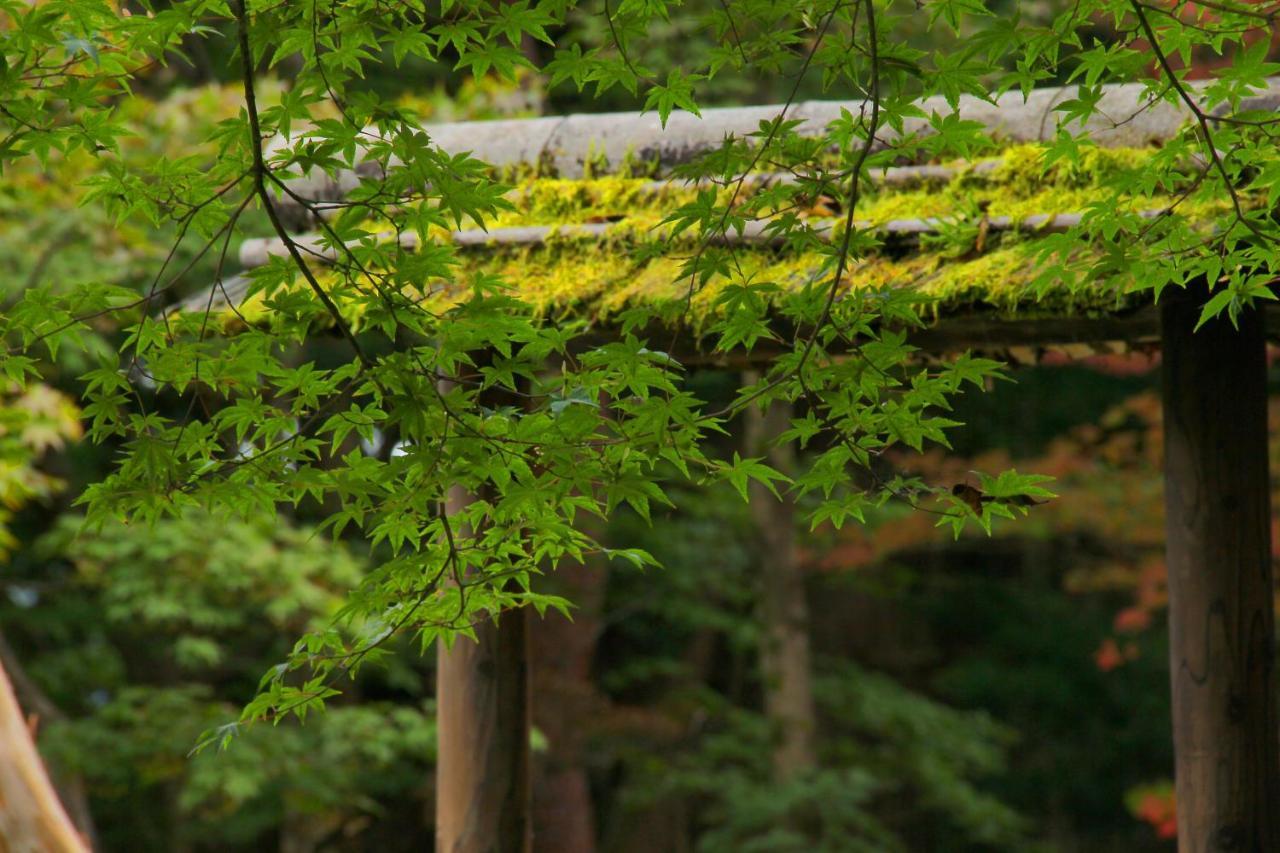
point(562, 653)
point(31, 815)
point(39, 709)
point(784, 654)
point(482, 768)
point(1221, 618)
point(483, 719)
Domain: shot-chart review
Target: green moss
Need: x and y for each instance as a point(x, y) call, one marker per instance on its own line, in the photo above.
point(596, 279)
point(558, 201)
point(1024, 168)
point(1019, 185)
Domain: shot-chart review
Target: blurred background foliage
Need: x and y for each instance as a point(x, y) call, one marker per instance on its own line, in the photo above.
point(973, 694)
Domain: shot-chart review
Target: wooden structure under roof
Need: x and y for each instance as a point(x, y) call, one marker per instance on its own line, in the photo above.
point(1222, 636)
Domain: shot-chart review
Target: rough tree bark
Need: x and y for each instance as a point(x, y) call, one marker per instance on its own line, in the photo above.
point(1221, 619)
point(784, 654)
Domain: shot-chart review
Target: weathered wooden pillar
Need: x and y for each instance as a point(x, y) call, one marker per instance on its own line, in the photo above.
point(483, 718)
point(1221, 619)
point(784, 654)
point(562, 653)
point(31, 815)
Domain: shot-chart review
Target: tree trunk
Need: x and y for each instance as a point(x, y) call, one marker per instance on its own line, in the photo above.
point(31, 816)
point(482, 766)
point(1221, 619)
point(784, 655)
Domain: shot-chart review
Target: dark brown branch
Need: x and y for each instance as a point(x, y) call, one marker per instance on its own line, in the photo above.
point(260, 184)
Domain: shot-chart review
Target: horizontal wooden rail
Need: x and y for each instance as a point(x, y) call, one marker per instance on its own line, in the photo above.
point(569, 146)
point(890, 176)
point(257, 252)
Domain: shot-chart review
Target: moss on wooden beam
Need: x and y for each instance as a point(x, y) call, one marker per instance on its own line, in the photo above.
point(1128, 116)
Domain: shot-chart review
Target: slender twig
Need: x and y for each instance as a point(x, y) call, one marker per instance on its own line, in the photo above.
point(1202, 122)
point(259, 174)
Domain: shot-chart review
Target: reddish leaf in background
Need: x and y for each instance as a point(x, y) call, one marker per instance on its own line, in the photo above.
point(1131, 620)
point(1108, 656)
point(1155, 804)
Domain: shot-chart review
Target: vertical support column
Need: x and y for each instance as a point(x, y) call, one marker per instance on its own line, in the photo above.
point(483, 795)
point(482, 769)
point(31, 815)
point(562, 653)
point(1221, 617)
point(784, 655)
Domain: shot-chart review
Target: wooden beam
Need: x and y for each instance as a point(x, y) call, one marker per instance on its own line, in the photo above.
point(1221, 609)
point(1128, 115)
point(964, 328)
point(889, 176)
point(259, 251)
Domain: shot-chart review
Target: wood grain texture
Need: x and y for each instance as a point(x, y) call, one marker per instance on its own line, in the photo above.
point(569, 705)
point(31, 815)
point(1221, 618)
point(483, 796)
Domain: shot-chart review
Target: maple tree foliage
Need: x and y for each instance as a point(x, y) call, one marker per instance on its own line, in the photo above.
point(458, 370)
